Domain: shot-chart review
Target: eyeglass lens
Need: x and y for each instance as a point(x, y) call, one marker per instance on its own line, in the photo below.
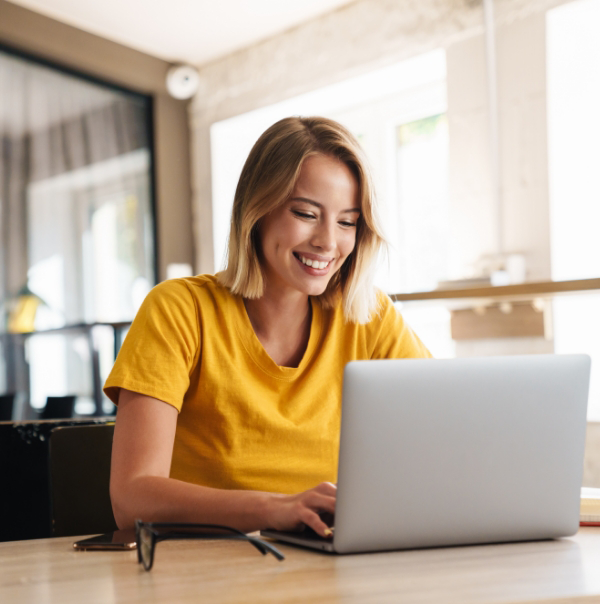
point(145, 546)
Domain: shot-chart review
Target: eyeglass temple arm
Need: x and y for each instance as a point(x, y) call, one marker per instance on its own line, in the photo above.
point(262, 546)
point(265, 547)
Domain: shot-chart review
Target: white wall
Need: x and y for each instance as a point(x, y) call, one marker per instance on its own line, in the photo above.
point(521, 67)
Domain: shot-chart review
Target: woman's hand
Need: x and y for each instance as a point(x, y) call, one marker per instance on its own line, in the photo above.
point(290, 512)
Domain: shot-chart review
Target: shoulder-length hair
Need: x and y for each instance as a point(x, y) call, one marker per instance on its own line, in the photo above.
point(267, 181)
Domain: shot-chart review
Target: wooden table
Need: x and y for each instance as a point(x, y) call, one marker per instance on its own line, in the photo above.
point(49, 570)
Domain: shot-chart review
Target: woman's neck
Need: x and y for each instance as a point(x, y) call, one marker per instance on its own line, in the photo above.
point(282, 325)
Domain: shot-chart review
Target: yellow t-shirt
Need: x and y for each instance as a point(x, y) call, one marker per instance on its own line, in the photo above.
point(245, 422)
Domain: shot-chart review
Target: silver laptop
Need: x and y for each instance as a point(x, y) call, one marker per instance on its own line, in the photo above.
point(462, 451)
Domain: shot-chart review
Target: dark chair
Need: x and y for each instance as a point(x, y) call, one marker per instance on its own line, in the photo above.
point(7, 402)
point(58, 407)
point(79, 462)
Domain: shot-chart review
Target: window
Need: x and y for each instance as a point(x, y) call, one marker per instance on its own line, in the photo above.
point(76, 223)
point(422, 173)
point(573, 69)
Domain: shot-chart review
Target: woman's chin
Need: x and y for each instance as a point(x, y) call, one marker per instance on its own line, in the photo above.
point(316, 289)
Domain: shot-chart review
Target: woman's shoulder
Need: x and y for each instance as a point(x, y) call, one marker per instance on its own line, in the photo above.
point(380, 303)
point(381, 310)
point(198, 295)
point(199, 286)
point(384, 304)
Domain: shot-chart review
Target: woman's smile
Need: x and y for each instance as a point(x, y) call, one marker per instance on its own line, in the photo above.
point(319, 265)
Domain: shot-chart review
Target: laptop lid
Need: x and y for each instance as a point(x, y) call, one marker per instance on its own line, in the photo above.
point(460, 451)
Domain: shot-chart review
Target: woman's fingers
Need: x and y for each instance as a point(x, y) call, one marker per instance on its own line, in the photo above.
point(327, 488)
point(316, 502)
point(313, 520)
point(291, 511)
point(320, 503)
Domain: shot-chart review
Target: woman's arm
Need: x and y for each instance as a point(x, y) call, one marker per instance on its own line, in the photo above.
point(140, 486)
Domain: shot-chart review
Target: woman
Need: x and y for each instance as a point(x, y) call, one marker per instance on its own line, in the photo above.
point(229, 386)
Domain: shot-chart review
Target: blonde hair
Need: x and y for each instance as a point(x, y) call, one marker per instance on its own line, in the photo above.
point(267, 181)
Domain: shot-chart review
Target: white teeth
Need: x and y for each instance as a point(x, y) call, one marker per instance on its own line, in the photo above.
point(313, 263)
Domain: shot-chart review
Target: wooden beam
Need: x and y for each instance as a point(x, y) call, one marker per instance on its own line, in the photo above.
point(523, 290)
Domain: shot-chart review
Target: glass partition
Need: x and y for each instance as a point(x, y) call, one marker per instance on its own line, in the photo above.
point(76, 225)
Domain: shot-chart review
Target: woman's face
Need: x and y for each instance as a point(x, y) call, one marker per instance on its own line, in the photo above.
point(308, 238)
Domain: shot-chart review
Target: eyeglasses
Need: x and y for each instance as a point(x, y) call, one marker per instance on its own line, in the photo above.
point(148, 534)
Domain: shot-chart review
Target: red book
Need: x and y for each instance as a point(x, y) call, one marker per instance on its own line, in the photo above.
point(589, 514)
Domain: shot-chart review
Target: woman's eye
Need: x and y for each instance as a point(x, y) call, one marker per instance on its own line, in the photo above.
point(348, 224)
point(302, 214)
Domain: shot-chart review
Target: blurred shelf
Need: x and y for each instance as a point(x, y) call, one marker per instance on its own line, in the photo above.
point(72, 327)
point(504, 292)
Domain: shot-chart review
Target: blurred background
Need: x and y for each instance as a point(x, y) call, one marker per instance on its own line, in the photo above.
point(479, 118)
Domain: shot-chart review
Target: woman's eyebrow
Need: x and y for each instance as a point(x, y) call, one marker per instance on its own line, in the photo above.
point(319, 205)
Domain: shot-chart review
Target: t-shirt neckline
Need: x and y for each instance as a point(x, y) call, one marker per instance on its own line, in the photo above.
point(260, 356)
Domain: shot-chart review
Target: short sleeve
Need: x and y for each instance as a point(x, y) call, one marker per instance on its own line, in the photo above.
point(161, 347)
point(393, 338)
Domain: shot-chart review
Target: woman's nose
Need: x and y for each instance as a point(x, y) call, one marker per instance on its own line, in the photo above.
point(324, 236)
